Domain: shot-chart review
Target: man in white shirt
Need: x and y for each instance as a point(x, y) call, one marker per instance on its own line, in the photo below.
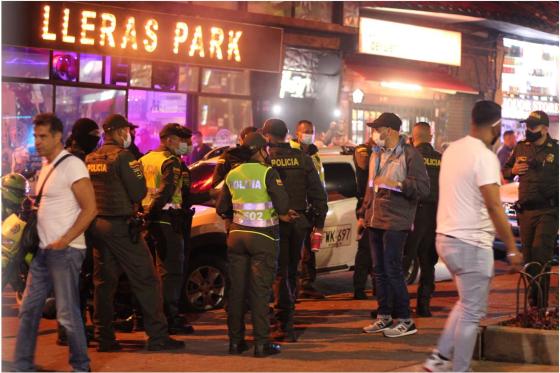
point(469, 214)
point(66, 209)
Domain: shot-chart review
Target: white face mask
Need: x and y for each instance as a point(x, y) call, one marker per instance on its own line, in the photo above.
point(127, 141)
point(184, 148)
point(376, 137)
point(307, 139)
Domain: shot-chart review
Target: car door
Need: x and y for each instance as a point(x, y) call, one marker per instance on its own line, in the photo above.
point(339, 245)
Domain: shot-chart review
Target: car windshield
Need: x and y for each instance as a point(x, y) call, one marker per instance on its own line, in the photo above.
point(201, 177)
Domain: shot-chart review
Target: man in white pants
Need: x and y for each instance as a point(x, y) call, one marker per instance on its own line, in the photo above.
point(469, 214)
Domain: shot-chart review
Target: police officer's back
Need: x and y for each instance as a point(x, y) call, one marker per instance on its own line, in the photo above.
point(119, 186)
point(232, 158)
point(535, 161)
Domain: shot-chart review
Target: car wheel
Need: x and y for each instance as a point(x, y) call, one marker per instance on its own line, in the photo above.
point(411, 273)
point(205, 283)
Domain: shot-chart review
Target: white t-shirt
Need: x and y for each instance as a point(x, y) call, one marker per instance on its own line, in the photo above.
point(59, 208)
point(466, 165)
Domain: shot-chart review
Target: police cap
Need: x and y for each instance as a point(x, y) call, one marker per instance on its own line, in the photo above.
point(175, 129)
point(254, 141)
point(389, 120)
point(116, 121)
point(275, 127)
point(536, 118)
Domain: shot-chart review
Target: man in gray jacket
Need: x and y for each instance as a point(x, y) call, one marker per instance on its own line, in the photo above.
point(397, 180)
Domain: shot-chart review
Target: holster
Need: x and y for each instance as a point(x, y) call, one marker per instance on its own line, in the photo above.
point(135, 225)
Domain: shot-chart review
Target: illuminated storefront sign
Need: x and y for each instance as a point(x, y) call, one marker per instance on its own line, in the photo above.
point(517, 108)
point(409, 42)
point(114, 31)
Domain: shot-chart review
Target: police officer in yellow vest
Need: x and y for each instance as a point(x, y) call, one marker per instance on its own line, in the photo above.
point(421, 242)
point(119, 186)
point(163, 208)
point(304, 140)
point(304, 187)
point(252, 202)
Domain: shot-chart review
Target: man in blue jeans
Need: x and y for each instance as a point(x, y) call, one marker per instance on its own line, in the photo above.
point(66, 208)
point(397, 180)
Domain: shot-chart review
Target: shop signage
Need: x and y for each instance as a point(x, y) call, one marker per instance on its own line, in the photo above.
point(107, 30)
point(411, 42)
point(516, 108)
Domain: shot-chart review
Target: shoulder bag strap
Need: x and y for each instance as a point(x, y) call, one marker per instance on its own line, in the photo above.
point(38, 198)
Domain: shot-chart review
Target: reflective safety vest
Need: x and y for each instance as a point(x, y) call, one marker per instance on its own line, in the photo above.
point(316, 161)
point(152, 164)
point(252, 205)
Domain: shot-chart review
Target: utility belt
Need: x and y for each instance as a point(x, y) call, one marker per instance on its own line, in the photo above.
point(177, 218)
point(535, 205)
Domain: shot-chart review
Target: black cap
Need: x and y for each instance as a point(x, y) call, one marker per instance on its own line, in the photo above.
point(389, 120)
point(175, 129)
point(84, 126)
point(254, 141)
point(275, 127)
point(536, 118)
point(114, 122)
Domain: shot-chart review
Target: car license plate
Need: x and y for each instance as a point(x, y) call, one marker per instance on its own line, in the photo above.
point(336, 236)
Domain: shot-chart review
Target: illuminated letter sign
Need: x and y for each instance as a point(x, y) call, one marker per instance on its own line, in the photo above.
point(120, 32)
point(401, 40)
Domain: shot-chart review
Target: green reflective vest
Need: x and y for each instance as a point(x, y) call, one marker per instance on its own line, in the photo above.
point(152, 164)
point(252, 205)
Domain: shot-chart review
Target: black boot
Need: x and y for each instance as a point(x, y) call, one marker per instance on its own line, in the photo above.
point(423, 308)
point(267, 349)
point(360, 294)
point(238, 348)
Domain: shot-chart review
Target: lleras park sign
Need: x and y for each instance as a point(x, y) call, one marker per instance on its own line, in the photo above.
point(107, 30)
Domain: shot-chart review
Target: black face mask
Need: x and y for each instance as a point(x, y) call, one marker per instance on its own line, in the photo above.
point(533, 136)
point(88, 143)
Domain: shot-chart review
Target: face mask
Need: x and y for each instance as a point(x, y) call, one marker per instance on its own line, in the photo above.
point(184, 148)
point(533, 136)
point(127, 141)
point(307, 139)
point(376, 137)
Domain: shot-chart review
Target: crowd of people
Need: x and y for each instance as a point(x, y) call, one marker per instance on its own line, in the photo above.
point(116, 210)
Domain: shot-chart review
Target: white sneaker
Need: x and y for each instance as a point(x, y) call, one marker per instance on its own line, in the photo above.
point(435, 363)
point(378, 326)
point(401, 329)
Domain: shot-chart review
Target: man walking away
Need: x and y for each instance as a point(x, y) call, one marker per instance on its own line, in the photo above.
point(66, 208)
point(421, 242)
point(469, 214)
point(397, 180)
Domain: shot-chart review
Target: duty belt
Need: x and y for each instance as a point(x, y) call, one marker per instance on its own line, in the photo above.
point(536, 205)
point(253, 206)
point(261, 223)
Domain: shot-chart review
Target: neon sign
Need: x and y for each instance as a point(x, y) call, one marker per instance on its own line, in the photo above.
point(136, 34)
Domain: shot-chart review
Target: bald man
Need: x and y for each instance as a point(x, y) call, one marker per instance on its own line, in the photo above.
point(421, 241)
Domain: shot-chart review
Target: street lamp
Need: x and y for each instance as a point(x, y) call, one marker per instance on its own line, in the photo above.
point(276, 109)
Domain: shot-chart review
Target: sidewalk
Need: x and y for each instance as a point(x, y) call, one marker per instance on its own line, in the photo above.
point(330, 338)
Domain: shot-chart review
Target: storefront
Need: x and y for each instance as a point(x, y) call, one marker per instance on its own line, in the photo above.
point(404, 69)
point(529, 82)
point(92, 60)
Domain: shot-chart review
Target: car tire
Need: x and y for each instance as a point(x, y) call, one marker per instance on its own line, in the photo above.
point(205, 283)
point(411, 274)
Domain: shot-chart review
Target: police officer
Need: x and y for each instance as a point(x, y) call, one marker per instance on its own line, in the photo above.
point(362, 263)
point(302, 182)
point(535, 161)
point(119, 186)
point(251, 202)
point(231, 158)
point(163, 206)
point(421, 240)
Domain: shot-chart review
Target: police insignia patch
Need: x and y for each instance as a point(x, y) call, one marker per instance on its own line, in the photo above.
point(279, 182)
point(549, 158)
point(176, 171)
point(15, 229)
point(136, 167)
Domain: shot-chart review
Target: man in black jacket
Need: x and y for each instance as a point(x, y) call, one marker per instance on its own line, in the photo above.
point(421, 242)
point(397, 180)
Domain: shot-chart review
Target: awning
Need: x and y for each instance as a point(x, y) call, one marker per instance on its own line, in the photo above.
point(431, 79)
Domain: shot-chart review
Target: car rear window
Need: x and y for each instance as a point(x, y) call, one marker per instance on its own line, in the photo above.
point(340, 180)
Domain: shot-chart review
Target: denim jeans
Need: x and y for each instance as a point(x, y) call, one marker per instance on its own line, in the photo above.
point(58, 269)
point(390, 286)
point(472, 268)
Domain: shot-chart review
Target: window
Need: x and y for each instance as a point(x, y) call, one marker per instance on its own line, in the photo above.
point(231, 5)
point(116, 71)
point(20, 103)
point(225, 81)
point(166, 76)
point(188, 78)
point(221, 119)
point(91, 68)
point(201, 177)
point(273, 8)
point(65, 66)
point(314, 10)
point(73, 103)
point(141, 75)
point(150, 111)
point(25, 62)
point(340, 180)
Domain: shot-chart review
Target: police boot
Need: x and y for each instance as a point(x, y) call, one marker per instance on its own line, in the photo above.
point(309, 292)
point(238, 348)
point(423, 308)
point(267, 349)
point(178, 325)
